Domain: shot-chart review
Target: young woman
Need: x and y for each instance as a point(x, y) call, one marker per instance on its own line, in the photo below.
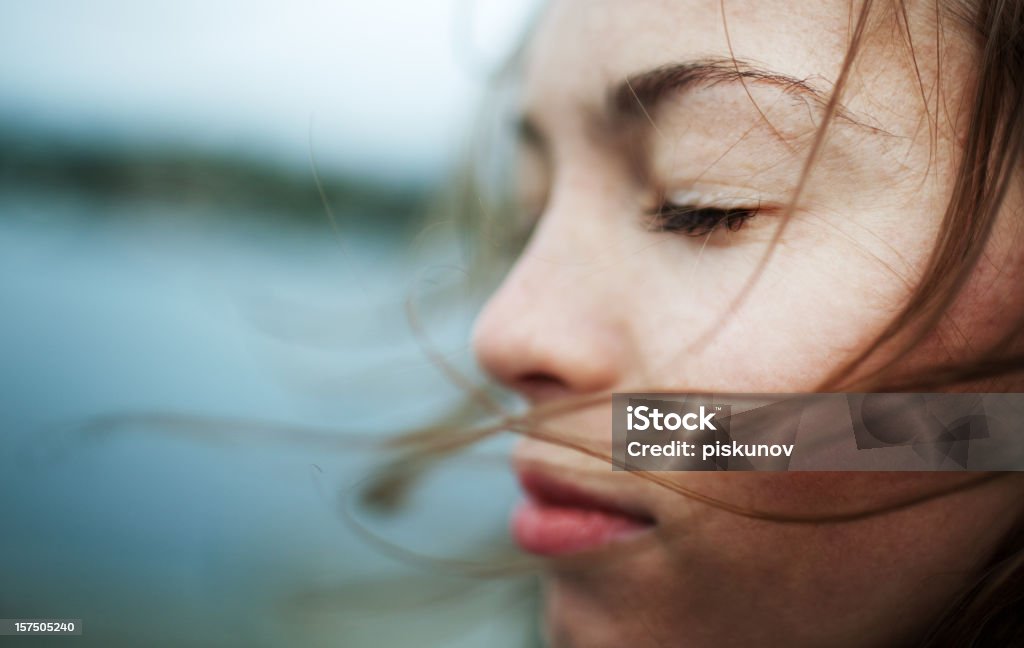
point(765, 196)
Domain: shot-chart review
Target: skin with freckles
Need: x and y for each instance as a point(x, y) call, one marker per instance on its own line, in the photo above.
point(635, 278)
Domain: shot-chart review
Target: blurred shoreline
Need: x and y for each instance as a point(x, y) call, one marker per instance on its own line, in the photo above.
point(232, 183)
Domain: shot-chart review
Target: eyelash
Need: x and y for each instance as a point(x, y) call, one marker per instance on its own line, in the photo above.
point(691, 220)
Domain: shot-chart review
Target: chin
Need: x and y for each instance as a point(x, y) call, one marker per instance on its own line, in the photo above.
point(582, 613)
point(573, 618)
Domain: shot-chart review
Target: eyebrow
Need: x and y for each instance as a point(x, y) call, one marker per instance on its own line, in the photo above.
point(638, 95)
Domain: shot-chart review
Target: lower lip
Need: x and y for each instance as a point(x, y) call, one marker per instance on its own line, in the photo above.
point(556, 530)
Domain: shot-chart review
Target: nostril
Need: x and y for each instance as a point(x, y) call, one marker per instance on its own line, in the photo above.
point(539, 387)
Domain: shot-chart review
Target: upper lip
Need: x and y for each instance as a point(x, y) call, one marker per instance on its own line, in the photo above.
point(544, 488)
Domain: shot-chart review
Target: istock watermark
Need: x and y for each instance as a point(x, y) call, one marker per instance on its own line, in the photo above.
point(651, 417)
point(777, 432)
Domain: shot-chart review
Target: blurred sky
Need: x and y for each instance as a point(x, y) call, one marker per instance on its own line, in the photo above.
point(388, 84)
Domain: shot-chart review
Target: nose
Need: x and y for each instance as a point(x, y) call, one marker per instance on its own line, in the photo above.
point(552, 329)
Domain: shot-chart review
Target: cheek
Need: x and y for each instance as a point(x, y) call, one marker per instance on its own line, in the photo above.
point(923, 552)
point(822, 296)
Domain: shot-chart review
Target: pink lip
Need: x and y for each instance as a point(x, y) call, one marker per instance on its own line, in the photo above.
point(557, 519)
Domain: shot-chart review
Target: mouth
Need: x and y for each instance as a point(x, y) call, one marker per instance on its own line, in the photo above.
point(558, 519)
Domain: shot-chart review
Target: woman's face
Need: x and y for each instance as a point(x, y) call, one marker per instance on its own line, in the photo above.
point(661, 142)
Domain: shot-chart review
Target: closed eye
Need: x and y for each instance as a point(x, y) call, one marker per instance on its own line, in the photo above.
point(692, 220)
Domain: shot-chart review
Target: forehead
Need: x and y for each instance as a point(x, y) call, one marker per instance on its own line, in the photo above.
point(583, 47)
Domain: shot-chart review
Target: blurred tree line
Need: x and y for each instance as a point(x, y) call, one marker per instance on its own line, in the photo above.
point(219, 183)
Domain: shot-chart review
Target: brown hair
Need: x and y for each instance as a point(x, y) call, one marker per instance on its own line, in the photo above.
point(988, 611)
point(988, 167)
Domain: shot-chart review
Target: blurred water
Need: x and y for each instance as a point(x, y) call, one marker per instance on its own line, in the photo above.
point(158, 536)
